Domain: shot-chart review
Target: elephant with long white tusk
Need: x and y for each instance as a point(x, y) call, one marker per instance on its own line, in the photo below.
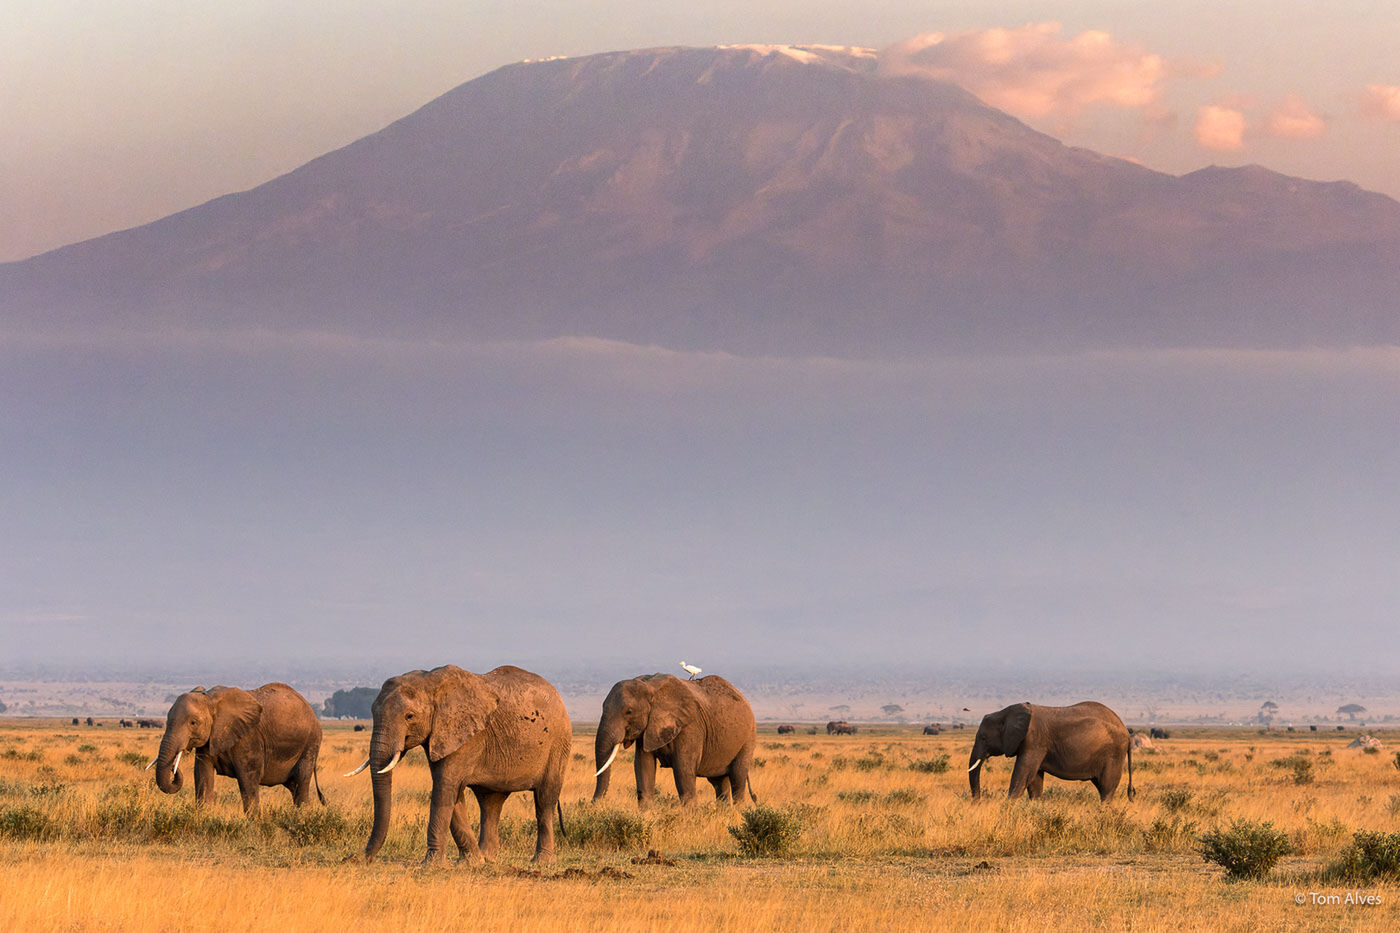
point(493, 734)
point(697, 728)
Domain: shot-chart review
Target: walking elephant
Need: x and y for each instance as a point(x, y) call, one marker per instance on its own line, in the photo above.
point(697, 728)
point(262, 738)
point(1083, 742)
point(840, 727)
point(493, 734)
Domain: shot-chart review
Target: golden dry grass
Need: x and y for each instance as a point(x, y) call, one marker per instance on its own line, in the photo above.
point(88, 843)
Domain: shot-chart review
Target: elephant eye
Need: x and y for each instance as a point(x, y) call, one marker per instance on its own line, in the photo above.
point(407, 715)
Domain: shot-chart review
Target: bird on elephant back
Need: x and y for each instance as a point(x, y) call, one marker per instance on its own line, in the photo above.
point(700, 728)
point(267, 737)
point(1083, 742)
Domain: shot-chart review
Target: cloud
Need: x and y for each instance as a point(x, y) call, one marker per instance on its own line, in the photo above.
point(1293, 118)
point(1033, 72)
point(1220, 128)
point(1381, 102)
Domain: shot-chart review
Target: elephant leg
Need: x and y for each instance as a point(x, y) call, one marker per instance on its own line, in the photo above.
point(1108, 779)
point(1036, 785)
point(440, 808)
point(546, 800)
point(248, 790)
point(685, 783)
point(721, 784)
point(301, 781)
point(1027, 767)
point(461, 828)
point(490, 838)
point(203, 779)
point(644, 766)
point(739, 779)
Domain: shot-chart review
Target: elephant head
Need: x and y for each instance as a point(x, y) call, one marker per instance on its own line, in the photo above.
point(440, 709)
point(211, 720)
point(652, 709)
point(1001, 733)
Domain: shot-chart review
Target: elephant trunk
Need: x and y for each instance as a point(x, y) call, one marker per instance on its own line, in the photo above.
point(974, 770)
point(382, 750)
point(605, 748)
point(168, 777)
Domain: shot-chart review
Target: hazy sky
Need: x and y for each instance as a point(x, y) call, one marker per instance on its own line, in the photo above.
point(117, 113)
point(382, 505)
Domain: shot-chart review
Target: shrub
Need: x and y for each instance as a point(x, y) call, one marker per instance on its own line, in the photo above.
point(766, 831)
point(856, 796)
point(1169, 835)
point(930, 765)
point(1372, 856)
point(135, 759)
point(613, 829)
point(1176, 800)
point(26, 823)
point(308, 826)
point(1246, 849)
point(870, 762)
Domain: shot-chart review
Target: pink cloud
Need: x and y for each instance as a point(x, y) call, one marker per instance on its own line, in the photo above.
point(1220, 128)
point(1294, 119)
point(1381, 102)
point(1033, 72)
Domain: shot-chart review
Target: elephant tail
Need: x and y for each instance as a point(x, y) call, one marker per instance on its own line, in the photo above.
point(749, 784)
point(316, 779)
point(1132, 791)
point(562, 831)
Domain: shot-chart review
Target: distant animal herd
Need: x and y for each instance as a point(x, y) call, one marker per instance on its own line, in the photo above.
point(506, 731)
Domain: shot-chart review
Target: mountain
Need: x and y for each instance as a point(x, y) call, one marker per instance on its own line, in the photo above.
point(748, 199)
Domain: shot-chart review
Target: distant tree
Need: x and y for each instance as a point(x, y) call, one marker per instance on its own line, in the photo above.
point(1267, 711)
point(1351, 709)
point(354, 703)
point(891, 709)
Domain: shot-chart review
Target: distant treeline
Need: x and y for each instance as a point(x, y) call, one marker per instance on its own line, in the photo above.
point(354, 703)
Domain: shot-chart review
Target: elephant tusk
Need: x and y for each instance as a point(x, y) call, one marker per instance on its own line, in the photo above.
point(359, 769)
point(974, 765)
point(152, 764)
point(390, 766)
point(616, 748)
point(176, 766)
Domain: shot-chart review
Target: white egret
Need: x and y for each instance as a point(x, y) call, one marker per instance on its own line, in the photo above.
point(690, 669)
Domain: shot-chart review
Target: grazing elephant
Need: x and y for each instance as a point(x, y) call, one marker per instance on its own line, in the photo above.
point(786, 729)
point(1083, 742)
point(493, 734)
point(697, 728)
point(934, 729)
point(263, 738)
point(840, 727)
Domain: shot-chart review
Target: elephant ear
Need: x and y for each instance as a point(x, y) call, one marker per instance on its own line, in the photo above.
point(1014, 729)
point(235, 712)
point(672, 709)
point(462, 703)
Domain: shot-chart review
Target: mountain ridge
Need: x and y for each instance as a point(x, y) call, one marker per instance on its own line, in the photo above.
point(743, 198)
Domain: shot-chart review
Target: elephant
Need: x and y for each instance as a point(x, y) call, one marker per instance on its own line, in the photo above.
point(263, 738)
point(697, 728)
point(494, 733)
point(786, 729)
point(933, 729)
point(1083, 742)
point(840, 727)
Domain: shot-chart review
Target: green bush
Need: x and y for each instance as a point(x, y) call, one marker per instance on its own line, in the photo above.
point(612, 829)
point(766, 831)
point(309, 826)
point(930, 765)
point(135, 759)
point(26, 823)
point(1372, 856)
point(1246, 849)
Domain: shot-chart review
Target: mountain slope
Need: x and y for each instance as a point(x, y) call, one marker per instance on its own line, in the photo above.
point(746, 199)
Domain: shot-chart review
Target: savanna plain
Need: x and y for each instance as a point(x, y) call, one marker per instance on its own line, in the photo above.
point(871, 831)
